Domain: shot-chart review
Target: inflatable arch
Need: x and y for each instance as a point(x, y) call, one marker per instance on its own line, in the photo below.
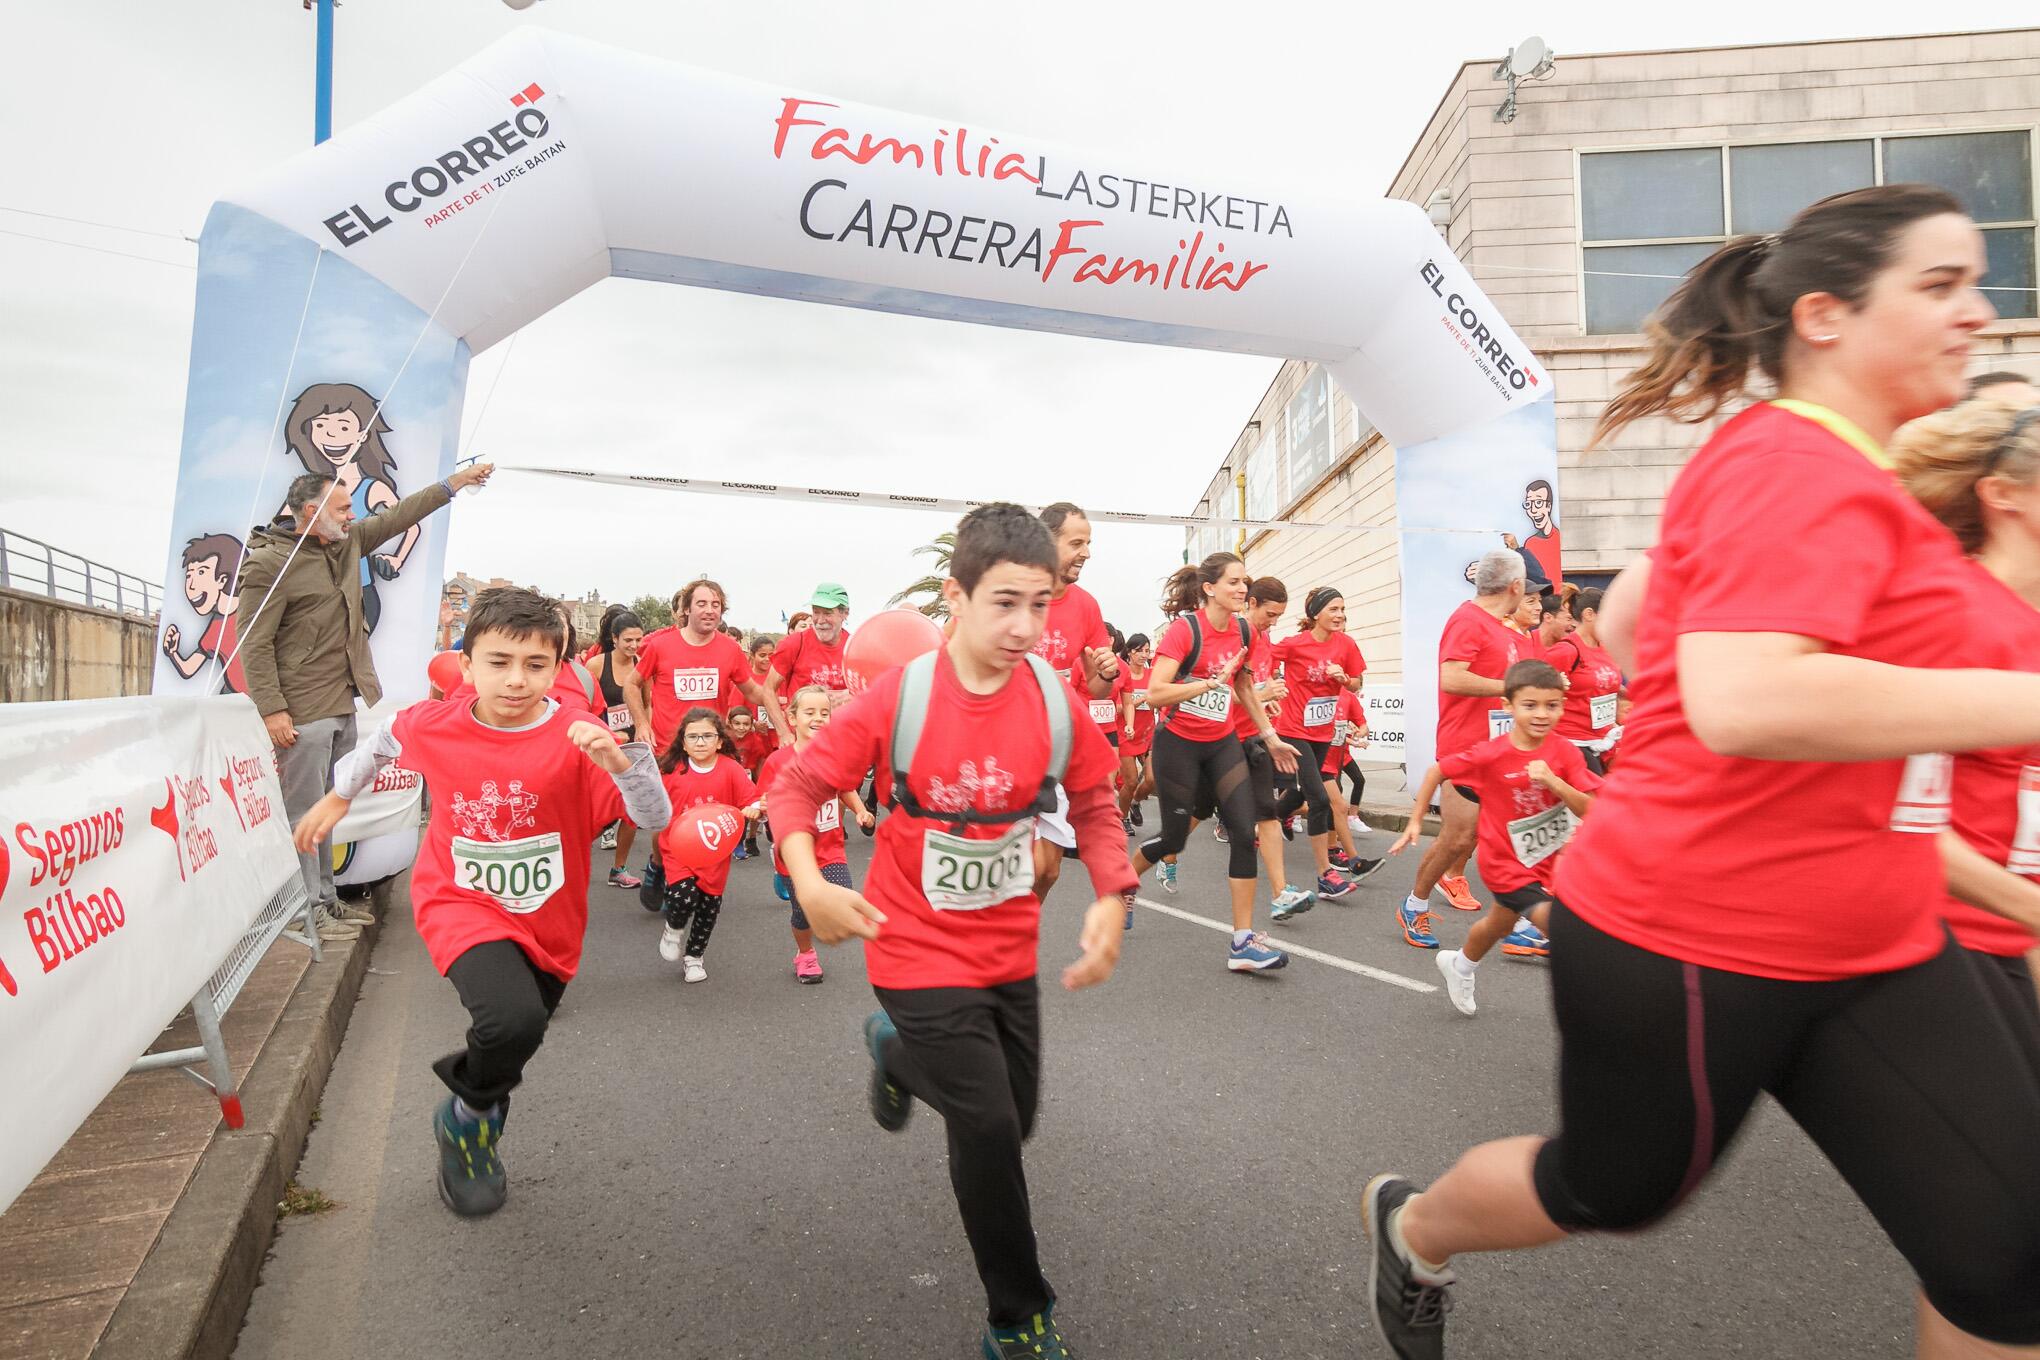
point(340, 297)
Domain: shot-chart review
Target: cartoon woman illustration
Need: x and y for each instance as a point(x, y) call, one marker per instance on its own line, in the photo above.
point(336, 429)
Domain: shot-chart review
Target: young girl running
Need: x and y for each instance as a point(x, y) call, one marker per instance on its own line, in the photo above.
point(1813, 639)
point(613, 664)
point(700, 767)
point(1199, 746)
point(807, 712)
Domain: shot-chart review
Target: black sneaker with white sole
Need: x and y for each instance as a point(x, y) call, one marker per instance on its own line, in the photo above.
point(1409, 1312)
point(891, 1106)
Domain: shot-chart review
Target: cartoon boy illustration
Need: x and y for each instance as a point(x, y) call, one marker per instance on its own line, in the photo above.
point(1539, 501)
point(337, 430)
point(211, 564)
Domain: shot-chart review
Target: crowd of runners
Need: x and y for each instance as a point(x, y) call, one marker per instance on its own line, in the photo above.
point(1805, 863)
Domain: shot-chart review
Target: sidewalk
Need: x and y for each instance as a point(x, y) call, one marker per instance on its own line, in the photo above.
point(143, 1236)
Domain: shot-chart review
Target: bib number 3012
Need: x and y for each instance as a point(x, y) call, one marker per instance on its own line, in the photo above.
point(520, 874)
point(966, 875)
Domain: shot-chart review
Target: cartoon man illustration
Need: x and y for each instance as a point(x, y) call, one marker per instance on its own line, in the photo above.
point(1539, 501)
point(337, 430)
point(211, 564)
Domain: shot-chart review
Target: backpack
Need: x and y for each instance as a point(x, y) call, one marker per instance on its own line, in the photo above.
point(587, 679)
point(910, 716)
point(1188, 670)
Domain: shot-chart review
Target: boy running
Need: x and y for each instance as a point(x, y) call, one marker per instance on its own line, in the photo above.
point(519, 789)
point(951, 921)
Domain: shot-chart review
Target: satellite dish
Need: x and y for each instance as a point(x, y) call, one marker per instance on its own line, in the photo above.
point(1530, 54)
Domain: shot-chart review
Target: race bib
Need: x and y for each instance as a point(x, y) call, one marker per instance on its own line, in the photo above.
point(1537, 838)
point(1601, 712)
point(763, 716)
point(1342, 734)
point(1140, 698)
point(1499, 722)
point(1923, 792)
point(1318, 712)
point(829, 815)
point(2025, 856)
point(519, 874)
point(619, 717)
point(697, 686)
point(967, 875)
point(1104, 712)
point(1214, 704)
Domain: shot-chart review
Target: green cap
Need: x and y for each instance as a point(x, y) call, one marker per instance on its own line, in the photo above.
point(829, 595)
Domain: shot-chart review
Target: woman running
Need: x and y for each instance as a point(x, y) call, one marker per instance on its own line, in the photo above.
point(1813, 638)
point(1318, 665)
point(1199, 746)
point(1977, 468)
point(615, 662)
point(1137, 736)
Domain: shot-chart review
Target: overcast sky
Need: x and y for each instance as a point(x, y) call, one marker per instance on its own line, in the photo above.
point(139, 113)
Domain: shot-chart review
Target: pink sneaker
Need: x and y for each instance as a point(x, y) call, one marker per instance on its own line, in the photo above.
point(619, 879)
point(807, 968)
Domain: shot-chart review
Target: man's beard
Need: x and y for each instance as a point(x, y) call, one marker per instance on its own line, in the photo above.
point(1071, 572)
point(328, 528)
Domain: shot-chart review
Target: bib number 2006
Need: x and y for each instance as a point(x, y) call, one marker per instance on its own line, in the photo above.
point(520, 874)
point(967, 875)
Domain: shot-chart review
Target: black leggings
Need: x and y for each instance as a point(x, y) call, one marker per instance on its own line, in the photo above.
point(1220, 767)
point(1917, 1085)
point(687, 905)
point(510, 1001)
point(1307, 785)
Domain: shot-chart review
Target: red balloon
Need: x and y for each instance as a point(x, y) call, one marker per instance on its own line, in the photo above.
point(886, 640)
point(699, 838)
point(443, 670)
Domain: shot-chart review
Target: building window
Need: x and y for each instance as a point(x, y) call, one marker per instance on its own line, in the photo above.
point(1310, 432)
point(1647, 217)
point(1264, 475)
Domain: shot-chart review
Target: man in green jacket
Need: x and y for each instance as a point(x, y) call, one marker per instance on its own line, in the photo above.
point(304, 644)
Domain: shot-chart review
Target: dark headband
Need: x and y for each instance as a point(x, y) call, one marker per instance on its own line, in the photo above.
point(1315, 602)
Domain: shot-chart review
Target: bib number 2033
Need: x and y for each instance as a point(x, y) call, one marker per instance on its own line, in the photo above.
point(966, 875)
point(519, 874)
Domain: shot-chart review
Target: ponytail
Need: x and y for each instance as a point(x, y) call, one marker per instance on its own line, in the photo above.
point(1183, 592)
point(1734, 309)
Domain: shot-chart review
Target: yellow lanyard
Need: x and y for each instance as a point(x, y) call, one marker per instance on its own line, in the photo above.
point(1840, 426)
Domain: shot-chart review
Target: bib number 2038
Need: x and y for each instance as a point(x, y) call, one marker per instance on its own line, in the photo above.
point(520, 874)
point(967, 875)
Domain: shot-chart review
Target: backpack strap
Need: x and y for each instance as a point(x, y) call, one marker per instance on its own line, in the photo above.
point(1188, 670)
point(587, 679)
point(1059, 727)
point(910, 715)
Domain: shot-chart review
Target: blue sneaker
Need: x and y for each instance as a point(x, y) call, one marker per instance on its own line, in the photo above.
point(1333, 885)
point(890, 1105)
point(471, 1177)
point(1255, 956)
point(1035, 1339)
point(1291, 902)
point(1167, 873)
point(1416, 927)
point(782, 887)
point(743, 851)
point(1526, 942)
point(1129, 911)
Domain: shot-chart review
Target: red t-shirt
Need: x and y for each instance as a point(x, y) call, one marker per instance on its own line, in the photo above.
point(1350, 712)
point(801, 659)
point(681, 675)
point(752, 748)
point(513, 813)
point(1490, 647)
point(1074, 623)
point(1545, 548)
point(1261, 666)
point(1206, 717)
point(828, 824)
point(1778, 525)
point(1311, 707)
point(1996, 804)
point(726, 783)
point(1593, 681)
point(1143, 738)
point(1519, 834)
point(987, 752)
point(218, 642)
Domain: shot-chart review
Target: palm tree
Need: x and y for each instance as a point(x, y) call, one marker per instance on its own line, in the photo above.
point(934, 606)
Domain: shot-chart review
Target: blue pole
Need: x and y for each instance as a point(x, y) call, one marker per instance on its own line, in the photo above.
point(322, 96)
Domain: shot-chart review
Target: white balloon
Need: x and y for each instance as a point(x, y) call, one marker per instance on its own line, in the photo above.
point(518, 4)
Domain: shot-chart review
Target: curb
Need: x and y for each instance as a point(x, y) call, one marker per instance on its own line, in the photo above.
point(1385, 817)
point(189, 1298)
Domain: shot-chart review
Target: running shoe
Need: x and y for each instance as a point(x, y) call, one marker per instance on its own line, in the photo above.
point(1526, 942)
point(1126, 824)
point(891, 1106)
point(807, 967)
point(1292, 902)
point(1166, 871)
point(744, 850)
point(670, 942)
point(1416, 927)
point(1036, 1339)
point(620, 878)
point(1356, 826)
point(1135, 813)
point(1458, 893)
point(1458, 985)
point(1129, 910)
point(695, 972)
point(1333, 884)
point(471, 1177)
point(1289, 828)
point(1365, 868)
point(782, 887)
point(1341, 861)
point(607, 841)
point(1255, 956)
point(1409, 1309)
point(1218, 834)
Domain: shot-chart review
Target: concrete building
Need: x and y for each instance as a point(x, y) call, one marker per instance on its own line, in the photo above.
point(1618, 173)
point(457, 597)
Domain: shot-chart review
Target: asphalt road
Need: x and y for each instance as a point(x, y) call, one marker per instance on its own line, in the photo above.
point(694, 1173)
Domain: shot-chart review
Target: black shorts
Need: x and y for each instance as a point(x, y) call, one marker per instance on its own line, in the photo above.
point(1468, 794)
point(1929, 1121)
point(1261, 769)
point(1521, 900)
point(1111, 736)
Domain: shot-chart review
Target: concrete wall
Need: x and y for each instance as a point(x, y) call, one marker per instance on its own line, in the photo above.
point(52, 650)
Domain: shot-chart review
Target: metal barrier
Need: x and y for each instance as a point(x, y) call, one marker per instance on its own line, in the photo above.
point(291, 903)
point(29, 564)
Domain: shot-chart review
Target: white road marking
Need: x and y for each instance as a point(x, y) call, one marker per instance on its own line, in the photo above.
point(1301, 951)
